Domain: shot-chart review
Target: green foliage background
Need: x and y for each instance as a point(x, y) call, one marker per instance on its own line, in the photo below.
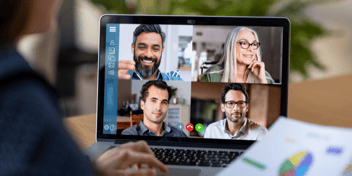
point(303, 30)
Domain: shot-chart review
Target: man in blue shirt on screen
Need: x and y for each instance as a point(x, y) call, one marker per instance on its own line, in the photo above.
point(147, 49)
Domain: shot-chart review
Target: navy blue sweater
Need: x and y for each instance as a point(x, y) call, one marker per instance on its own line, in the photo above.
point(33, 140)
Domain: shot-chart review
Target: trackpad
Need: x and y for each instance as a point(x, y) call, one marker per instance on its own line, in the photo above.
point(179, 172)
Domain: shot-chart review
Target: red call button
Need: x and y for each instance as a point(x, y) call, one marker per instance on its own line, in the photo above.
point(189, 127)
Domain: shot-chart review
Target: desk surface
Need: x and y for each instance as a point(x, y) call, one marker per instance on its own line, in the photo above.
point(325, 102)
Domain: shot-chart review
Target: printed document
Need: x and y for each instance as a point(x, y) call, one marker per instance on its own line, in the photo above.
point(295, 148)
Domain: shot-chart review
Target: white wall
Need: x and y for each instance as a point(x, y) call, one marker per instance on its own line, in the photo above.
point(170, 57)
point(125, 41)
point(87, 17)
point(185, 30)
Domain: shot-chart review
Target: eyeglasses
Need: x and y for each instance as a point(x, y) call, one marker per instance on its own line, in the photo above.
point(245, 44)
point(231, 104)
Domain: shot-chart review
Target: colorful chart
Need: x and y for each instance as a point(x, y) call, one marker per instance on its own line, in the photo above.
point(348, 170)
point(296, 165)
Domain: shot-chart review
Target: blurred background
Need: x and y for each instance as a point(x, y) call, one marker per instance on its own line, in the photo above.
point(67, 55)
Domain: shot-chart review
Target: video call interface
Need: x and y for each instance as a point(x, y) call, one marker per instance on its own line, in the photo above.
point(225, 81)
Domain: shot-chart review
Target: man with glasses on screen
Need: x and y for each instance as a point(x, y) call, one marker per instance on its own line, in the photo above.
point(147, 48)
point(236, 125)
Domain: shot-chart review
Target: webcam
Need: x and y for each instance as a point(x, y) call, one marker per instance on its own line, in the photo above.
point(191, 21)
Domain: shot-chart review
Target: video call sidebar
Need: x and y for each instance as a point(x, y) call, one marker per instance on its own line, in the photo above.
point(111, 78)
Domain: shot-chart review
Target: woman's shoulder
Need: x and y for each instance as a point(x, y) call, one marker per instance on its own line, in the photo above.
point(22, 85)
point(11, 62)
point(215, 68)
point(213, 74)
point(269, 78)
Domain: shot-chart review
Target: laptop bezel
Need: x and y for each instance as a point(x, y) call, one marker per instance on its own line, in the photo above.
point(188, 20)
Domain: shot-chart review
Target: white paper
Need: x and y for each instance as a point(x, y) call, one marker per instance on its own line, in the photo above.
point(295, 148)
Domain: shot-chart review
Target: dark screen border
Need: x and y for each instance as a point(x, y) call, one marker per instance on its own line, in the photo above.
point(189, 20)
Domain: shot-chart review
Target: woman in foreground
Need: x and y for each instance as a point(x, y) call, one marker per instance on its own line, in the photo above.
point(33, 139)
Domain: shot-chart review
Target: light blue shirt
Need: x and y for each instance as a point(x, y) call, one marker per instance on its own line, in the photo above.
point(219, 130)
point(170, 76)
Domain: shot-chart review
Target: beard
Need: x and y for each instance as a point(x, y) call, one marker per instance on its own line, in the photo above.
point(239, 118)
point(145, 71)
point(157, 120)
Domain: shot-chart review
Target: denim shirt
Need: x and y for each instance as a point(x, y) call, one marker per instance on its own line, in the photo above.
point(170, 76)
point(142, 130)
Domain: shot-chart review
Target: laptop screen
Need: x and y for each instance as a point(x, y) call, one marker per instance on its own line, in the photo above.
point(211, 80)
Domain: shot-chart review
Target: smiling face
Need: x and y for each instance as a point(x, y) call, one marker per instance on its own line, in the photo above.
point(147, 53)
point(245, 56)
point(237, 113)
point(156, 105)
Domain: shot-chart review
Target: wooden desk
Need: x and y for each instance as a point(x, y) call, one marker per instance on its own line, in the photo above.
point(325, 102)
point(82, 128)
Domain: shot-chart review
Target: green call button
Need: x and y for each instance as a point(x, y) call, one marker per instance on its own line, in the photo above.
point(199, 127)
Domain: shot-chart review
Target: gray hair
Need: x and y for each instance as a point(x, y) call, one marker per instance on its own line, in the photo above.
point(148, 28)
point(229, 61)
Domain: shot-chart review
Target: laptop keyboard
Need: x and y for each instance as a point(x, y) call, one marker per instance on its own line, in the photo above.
point(189, 157)
point(209, 158)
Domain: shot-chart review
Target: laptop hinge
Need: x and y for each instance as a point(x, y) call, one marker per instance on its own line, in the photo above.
point(185, 144)
point(121, 141)
point(105, 140)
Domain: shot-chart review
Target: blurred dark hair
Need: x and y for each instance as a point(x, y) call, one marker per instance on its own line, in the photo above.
point(13, 19)
point(233, 86)
point(148, 28)
point(158, 84)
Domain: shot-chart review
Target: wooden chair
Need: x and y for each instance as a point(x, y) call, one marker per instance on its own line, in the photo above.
point(121, 125)
point(136, 117)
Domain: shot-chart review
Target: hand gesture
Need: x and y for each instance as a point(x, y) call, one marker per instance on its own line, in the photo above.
point(124, 66)
point(258, 69)
point(118, 159)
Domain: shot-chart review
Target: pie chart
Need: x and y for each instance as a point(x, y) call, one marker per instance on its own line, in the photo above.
point(348, 170)
point(297, 165)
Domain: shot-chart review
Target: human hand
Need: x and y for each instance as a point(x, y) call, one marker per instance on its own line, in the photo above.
point(124, 66)
point(258, 69)
point(118, 159)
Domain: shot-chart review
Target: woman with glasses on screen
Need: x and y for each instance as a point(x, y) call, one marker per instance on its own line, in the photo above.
point(241, 60)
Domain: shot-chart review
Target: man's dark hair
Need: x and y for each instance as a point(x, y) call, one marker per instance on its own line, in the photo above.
point(233, 86)
point(13, 19)
point(158, 84)
point(148, 28)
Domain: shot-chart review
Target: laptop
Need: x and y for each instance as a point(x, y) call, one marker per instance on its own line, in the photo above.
point(189, 53)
